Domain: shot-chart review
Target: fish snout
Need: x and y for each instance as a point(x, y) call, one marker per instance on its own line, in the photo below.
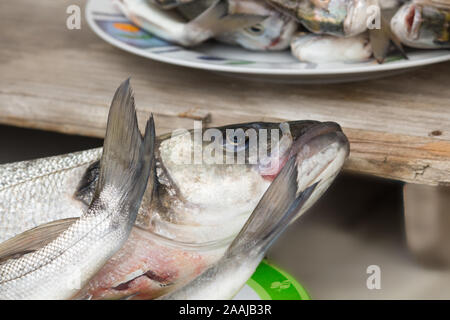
point(320, 154)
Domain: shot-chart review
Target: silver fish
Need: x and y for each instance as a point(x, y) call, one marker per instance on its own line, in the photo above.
point(333, 17)
point(423, 24)
point(272, 33)
point(346, 18)
point(53, 261)
point(291, 193)
point(186, 222)
point(171, 27)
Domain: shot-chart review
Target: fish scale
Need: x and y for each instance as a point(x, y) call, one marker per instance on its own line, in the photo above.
point(55, 260)
point(36, 186)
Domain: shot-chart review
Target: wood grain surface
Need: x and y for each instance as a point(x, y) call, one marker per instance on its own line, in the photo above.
point(63, 80)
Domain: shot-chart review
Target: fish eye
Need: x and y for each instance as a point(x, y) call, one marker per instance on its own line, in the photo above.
point(236, 143)
point(256, 29)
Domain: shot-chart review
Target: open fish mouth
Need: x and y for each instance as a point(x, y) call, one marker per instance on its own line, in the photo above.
point(310, 145)
point(422, 25)
point(413, 21)
point(321, 152)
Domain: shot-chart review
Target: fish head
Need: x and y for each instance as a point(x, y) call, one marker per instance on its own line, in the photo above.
point(422, 25)
point(209, 200)
point(211, 179)
point(273, 33)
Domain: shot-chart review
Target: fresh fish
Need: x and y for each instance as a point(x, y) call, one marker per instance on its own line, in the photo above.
point(333, 17)
point(347, 18)
point(54, 260)
point(272, 33)
point(291, 193)
point(190, 217)
point(170, 26)
point(319, 48)
point(423, 24)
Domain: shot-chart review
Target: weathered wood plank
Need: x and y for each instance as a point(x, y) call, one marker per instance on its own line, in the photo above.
point(56, 79)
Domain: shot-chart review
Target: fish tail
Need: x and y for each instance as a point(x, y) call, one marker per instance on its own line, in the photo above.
point(216, 20)
point(381, 39)
point(275, 211)
point(127, 157)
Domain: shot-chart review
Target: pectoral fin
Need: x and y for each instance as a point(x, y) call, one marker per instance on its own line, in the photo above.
point(275, 211)
point(33, 239)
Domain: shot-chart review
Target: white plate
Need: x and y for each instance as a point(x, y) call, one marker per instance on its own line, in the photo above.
point(112, 26)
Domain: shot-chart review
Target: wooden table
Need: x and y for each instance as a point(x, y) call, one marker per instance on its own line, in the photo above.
point(63, 80)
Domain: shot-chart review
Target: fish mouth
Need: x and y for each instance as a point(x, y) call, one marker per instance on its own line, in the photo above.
point(413, 22)
point(406, 23)
point(320, 154)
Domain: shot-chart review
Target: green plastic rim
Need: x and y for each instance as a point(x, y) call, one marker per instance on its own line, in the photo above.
point(271, 283)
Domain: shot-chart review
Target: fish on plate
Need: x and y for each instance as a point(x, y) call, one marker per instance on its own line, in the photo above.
point(423, 24)
point(268, 25)
point(343, 18)
point(49, 261)
point(170, 26)
point(273, 33)
point(191, 211)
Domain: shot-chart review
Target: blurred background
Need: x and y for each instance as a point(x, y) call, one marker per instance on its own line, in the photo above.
point(358, 223)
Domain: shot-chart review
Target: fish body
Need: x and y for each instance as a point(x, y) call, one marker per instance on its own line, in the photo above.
point(171, 27)
point(49, 262)
point(423, 24)
point(318, 48)
point(189, 217)
point(333, 17)
point(273, 33)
